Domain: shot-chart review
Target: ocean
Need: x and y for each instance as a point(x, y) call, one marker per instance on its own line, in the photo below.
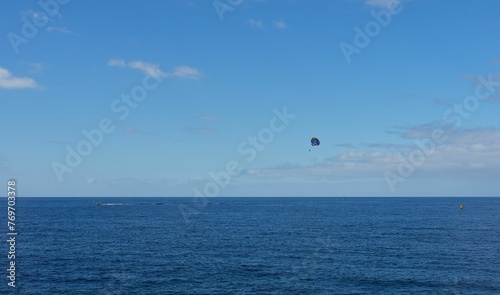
point(254, 246)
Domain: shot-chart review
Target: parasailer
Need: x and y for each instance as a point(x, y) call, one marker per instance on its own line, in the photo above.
point(314, 142)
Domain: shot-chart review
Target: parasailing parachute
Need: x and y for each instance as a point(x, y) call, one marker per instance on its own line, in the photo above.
point(314, 141)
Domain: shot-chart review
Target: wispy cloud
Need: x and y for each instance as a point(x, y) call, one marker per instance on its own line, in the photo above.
point(129, 181)
point(254, 23)
point(468, 154)
point(199, 130)
point(146, 68)
point(259, 24)
point(442, 102)
point(3, 165)
point(42, 18)
point(383, 146)
point(347, 166)
point(493, 81)
point(58, 142)
point(208, 118)
point(476, 78)
point(280, 25)
point(8, 81)
point(116, 63)
point(495, 97)
point(381, 3)
point(187, 73)
point(421, 131)
point(346, 145)
point(405, 96)
point(197, 180)
point(154, 70)
point(386, 146)
point(35, 68)
point(59, 30)
point(132, 130)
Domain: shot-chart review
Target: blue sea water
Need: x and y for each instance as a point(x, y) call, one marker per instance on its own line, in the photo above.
point(255, 246)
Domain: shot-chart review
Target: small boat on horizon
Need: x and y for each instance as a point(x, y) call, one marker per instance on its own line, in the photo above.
point(100, 203)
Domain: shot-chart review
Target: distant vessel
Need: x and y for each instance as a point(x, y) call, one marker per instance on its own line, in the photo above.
point(99, 203)
point(461, 206)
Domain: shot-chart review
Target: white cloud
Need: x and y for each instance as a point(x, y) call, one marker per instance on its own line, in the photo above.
point(116, 63)
point(7, 81)
point(258, 24)
point(154, 70)
point(280, 25)
point(186, 72)
point(471, 154)
point(147, 68)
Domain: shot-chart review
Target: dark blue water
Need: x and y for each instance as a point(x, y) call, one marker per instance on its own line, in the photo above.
point(256, 246)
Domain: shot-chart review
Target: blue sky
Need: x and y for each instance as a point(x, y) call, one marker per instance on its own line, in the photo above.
point(221, 98)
